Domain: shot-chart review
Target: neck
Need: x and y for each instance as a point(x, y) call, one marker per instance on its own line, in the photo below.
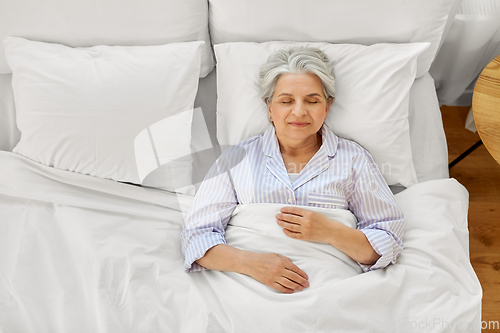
point(298, 148)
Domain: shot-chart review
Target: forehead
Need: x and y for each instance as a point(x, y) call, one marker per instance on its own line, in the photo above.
point(301, 83)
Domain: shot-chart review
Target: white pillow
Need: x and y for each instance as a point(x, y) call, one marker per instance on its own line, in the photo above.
point(334, 21)
point(80, 109)
point(109, 22)
point(371, 104)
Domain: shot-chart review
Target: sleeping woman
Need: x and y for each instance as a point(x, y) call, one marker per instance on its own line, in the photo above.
point(298, 162)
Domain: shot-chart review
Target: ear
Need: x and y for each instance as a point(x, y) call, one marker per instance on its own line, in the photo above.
point(270, 113)
point(330, 101)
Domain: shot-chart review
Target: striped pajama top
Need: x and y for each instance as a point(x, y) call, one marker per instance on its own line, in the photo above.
point(341, 174)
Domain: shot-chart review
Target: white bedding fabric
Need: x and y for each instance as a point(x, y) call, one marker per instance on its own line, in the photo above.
point(109, 22)
point(9, 133)
point(357, 21)
point(428, 142)
point(382, 74)
point(98, 100)
point(84, 254)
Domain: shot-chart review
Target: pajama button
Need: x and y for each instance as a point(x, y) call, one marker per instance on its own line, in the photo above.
point(290, 200)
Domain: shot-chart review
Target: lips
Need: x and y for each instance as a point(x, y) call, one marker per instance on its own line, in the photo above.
point(298, 124)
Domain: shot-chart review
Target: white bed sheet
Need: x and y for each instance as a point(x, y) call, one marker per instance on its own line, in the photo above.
point(83, 254)
point(428, 140)
point(9, 133)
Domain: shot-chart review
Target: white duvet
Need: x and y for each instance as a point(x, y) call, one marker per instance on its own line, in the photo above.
point(83, 254)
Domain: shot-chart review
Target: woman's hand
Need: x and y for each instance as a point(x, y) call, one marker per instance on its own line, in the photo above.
point(300, 223)
point(277, 272)
point(304, 224)
point(271, 269)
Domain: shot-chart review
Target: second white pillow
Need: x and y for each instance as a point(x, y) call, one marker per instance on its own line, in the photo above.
point(371, 103)
point(80, 109)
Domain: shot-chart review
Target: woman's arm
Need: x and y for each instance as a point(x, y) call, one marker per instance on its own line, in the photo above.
point(379, 216)
point(307, 225)
point(377, 241)
point(271, 269)
point(204, 246)
point(353, 243)
point(210, 212)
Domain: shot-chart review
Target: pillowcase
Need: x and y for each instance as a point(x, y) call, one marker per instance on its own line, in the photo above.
point(371, 103)
point(164, 165)
point(80, 109)
point(111, 22)
point(363, 22)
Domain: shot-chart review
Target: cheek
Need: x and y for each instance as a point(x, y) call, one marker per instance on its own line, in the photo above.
point(320, 114)
point(279, 112)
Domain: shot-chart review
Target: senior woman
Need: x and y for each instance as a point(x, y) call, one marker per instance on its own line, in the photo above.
point(298, 161)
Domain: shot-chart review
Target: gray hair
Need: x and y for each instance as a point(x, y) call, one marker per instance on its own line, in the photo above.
point(295, 60)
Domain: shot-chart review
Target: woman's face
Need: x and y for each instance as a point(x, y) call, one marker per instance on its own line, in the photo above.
point(298, 107)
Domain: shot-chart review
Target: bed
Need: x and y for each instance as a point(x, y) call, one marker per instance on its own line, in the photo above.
point(112, 114)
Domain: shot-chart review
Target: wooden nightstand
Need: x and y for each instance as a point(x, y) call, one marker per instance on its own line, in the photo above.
point(486, 107)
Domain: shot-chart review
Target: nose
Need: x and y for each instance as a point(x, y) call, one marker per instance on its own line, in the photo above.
point(299, 109)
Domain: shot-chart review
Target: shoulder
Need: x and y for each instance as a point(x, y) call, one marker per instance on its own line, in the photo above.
point(243, 148)
point(251, 142)
point(355, 155)
point(352, 149)
point(340, 147)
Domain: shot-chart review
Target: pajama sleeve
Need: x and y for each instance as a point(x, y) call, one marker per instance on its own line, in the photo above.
point(379, 216)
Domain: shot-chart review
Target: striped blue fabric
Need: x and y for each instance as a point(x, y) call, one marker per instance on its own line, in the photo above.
point(340, 175)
